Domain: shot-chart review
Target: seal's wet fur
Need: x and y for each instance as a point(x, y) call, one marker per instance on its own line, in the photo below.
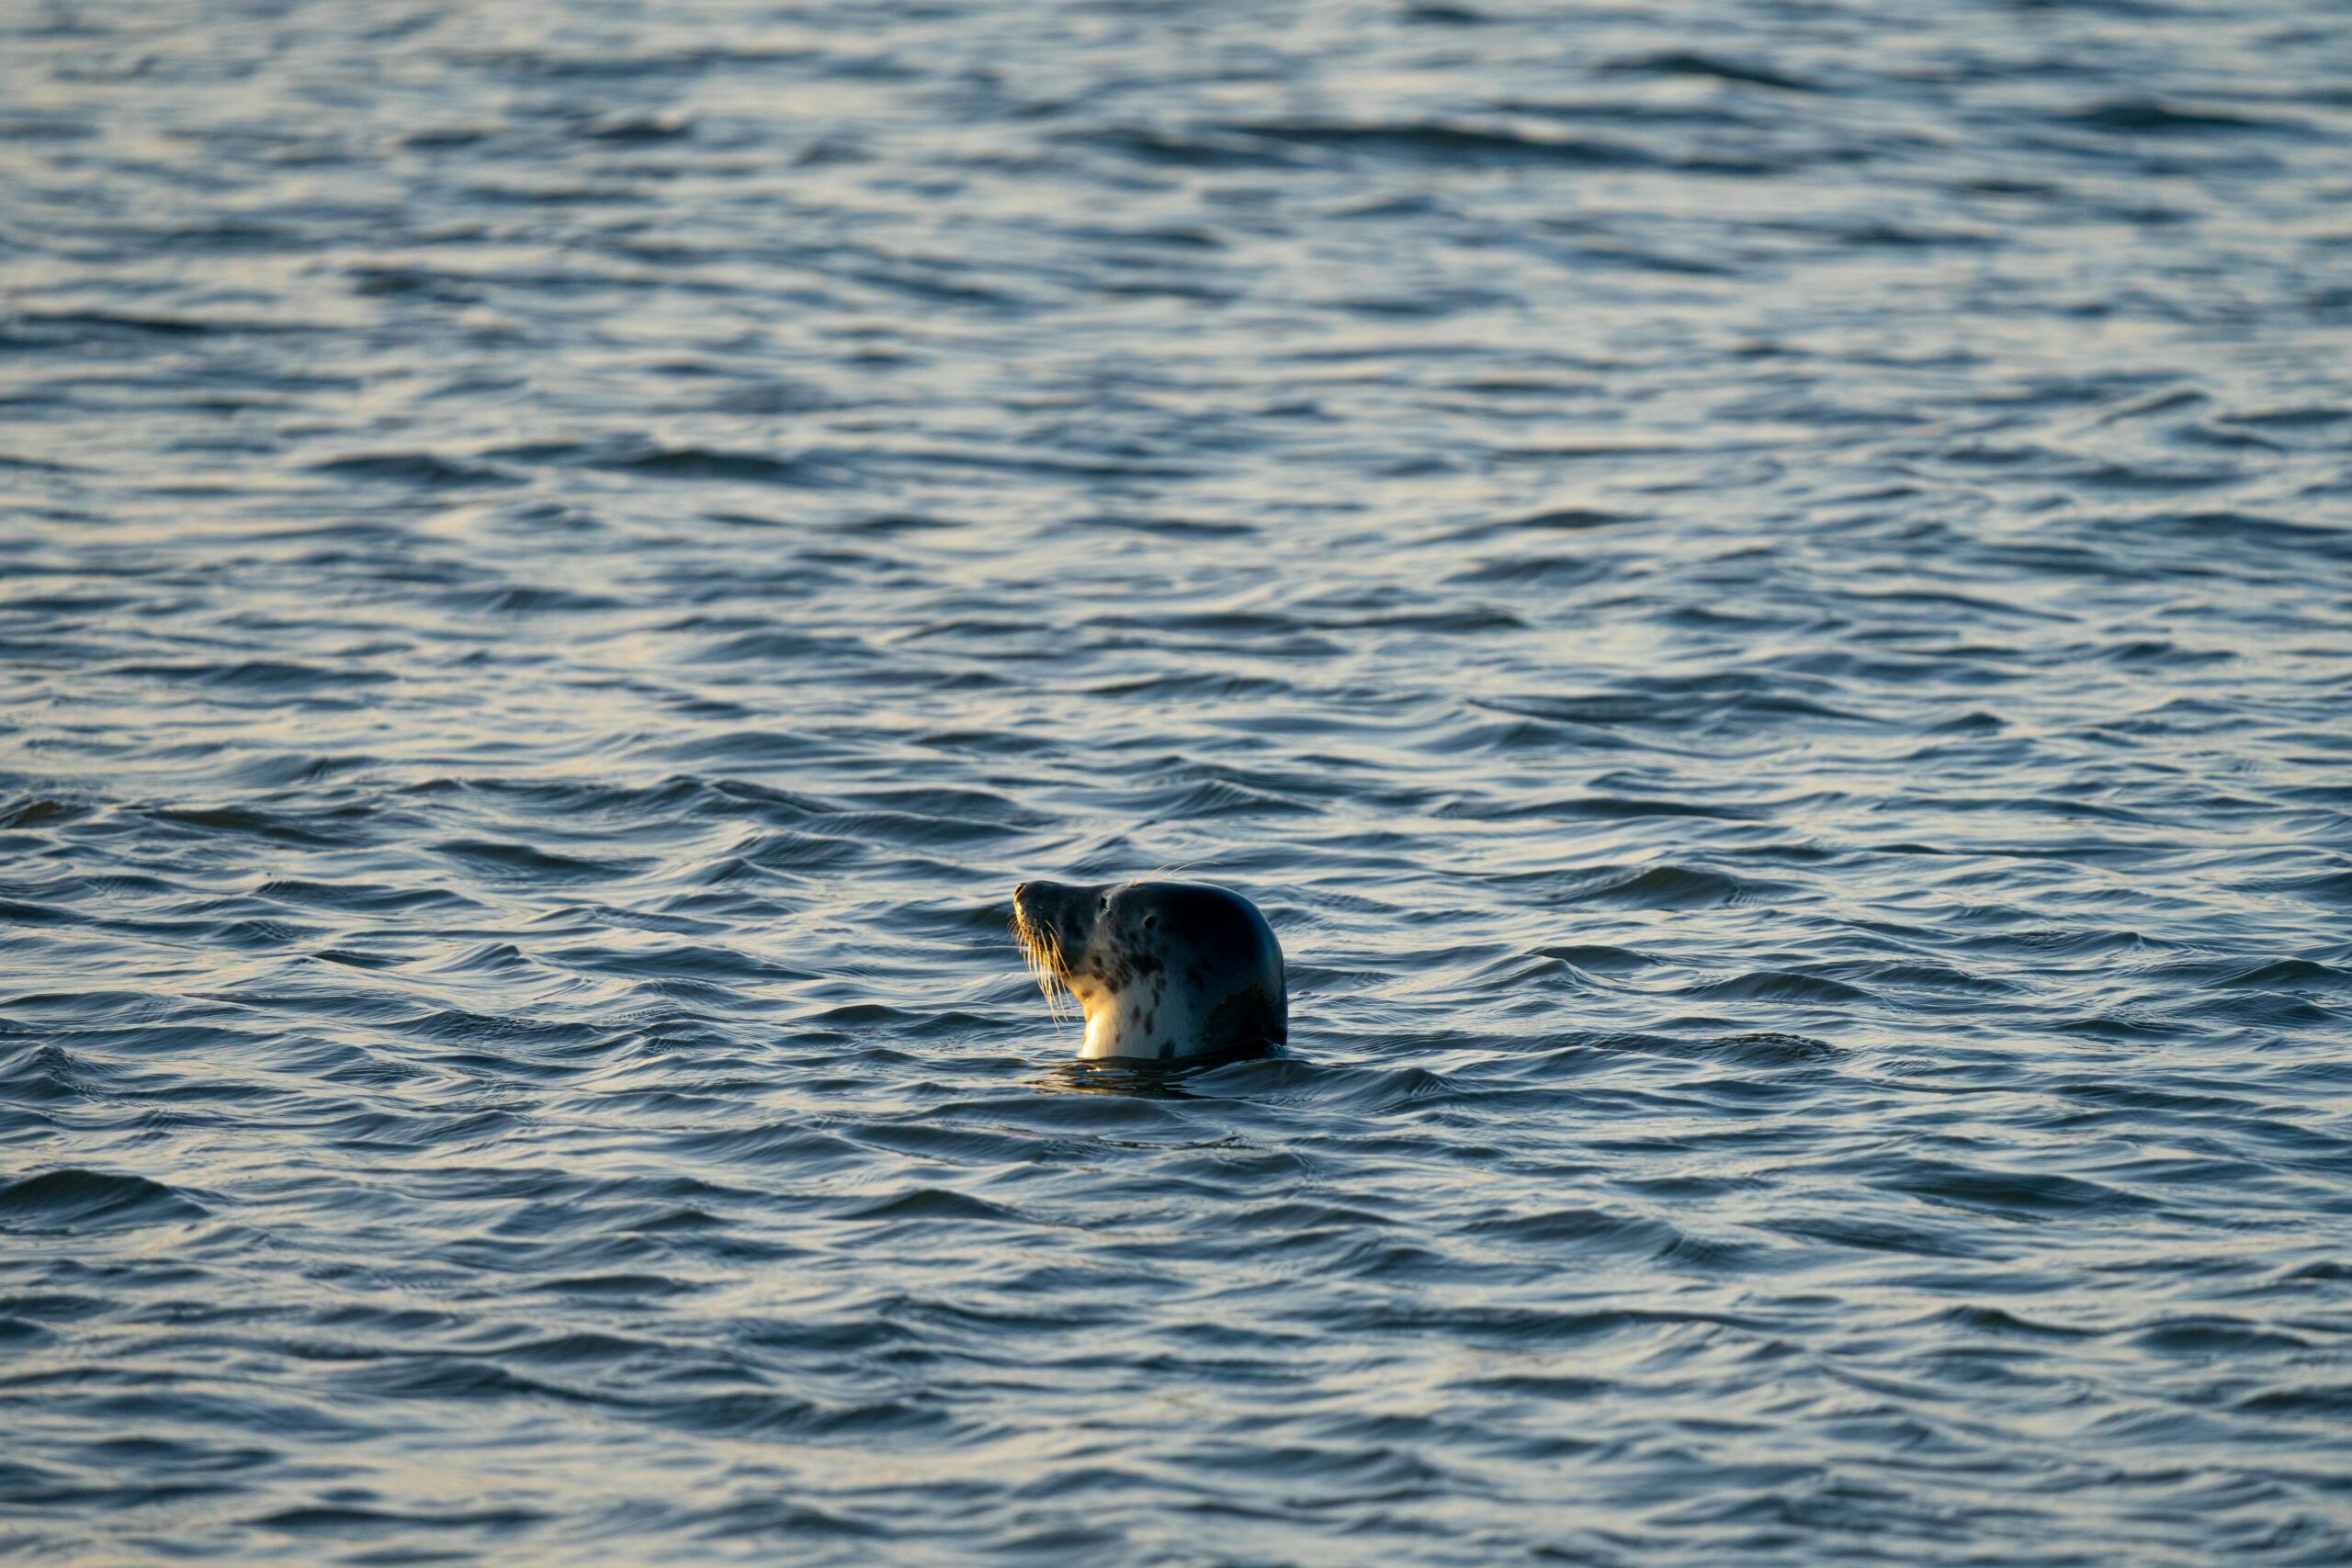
point(1162, 970)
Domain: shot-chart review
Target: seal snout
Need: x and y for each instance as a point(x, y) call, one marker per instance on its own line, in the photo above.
point(1048, 938)
point(1037, 906)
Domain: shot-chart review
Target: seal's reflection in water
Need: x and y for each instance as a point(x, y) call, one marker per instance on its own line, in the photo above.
point(1144, 1079)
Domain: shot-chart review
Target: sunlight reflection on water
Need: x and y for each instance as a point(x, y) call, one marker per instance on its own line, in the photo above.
point(1759, 593)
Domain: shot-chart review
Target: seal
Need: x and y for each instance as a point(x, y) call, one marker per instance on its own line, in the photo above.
point(1162, 970)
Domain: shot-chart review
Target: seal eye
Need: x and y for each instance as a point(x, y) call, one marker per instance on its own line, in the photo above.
point(1149, 921)
point(1106, 903)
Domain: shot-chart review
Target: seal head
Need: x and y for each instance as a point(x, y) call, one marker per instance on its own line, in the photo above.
point(1162, 970)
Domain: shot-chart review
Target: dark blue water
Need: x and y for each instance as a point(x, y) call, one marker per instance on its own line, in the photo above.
point(1762, 593)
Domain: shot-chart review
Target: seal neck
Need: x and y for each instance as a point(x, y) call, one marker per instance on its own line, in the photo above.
point(1102, 1027)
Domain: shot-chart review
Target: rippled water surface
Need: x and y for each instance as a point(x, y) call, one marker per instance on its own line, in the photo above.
point(1762, 593)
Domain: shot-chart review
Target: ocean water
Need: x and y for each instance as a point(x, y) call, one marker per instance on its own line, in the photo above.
point(1761, 592)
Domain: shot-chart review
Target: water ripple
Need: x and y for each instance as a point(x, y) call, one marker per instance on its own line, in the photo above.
point(1759, 593)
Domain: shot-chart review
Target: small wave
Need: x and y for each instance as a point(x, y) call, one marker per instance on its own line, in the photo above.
point(74, 1199)
point(1558, 520)
point(1440, 140)
point(1667, 887)
point(1783, 985)
point(934, 1203)
point(2293, 973)
point(1602, 808)
point(427, 471)
point(30, 812)
point(2218, 1336)
point(2153, 117)
point(774, 1416)
point(781, 1145)
point(1688, 62)
point(2330, 888)
point(360, 897)
point(1546, 571)
point(2320, 1402)
point(1171, 527)
point(516, 600)
point(1599, 958)
point(1582, 1231)
point(523, 861)
point(2019, 1192)
point(344, 1520)
point(245, 822)
point(738, 468)
point(2000, 1324)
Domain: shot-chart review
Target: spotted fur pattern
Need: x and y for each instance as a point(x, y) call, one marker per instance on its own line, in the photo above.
point(1161, 970)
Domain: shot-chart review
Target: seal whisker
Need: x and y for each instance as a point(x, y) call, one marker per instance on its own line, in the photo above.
point(1042, 951)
